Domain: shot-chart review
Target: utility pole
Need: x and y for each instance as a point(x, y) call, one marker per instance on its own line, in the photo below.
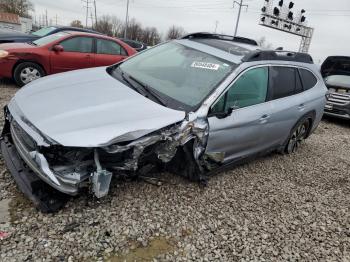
point(95, 14)
point(240, 4)
point(87, 2)
point(46, 19)
point(216, 25)
point(126, 19)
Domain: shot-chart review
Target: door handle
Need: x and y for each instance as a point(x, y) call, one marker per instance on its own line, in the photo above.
point(87, 56)
point(301, 106)
point(264, 118)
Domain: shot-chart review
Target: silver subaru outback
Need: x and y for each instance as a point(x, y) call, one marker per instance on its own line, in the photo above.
point(192, 106)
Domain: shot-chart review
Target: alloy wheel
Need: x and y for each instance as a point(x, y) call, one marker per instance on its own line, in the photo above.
point(297, 137)
point(29, 74)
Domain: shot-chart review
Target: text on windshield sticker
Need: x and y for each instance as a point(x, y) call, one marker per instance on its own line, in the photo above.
point(205, 65)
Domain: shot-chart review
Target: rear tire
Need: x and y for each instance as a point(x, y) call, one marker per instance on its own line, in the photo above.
point(27, 72)
point(298, 134)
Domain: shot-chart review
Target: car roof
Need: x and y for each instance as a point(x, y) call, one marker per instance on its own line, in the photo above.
point(240, 49)
point(73, 28)
point(89, 34)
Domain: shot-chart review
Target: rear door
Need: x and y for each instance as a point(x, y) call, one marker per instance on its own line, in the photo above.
point(288, 102)
point(108, 52)
point(77, 54)
point(242, 132)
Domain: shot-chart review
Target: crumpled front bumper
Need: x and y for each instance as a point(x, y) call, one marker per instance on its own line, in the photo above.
point(23, 166)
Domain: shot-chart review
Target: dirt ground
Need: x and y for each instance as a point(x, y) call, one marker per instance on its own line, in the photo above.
point(275, 208)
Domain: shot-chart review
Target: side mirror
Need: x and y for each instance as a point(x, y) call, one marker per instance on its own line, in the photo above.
point(57, 48)
point(227, 113)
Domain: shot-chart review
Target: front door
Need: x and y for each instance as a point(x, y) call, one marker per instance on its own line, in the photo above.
point(238, 120)
point(77, 54)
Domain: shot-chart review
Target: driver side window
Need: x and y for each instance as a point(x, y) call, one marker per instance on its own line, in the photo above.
point(250, 89)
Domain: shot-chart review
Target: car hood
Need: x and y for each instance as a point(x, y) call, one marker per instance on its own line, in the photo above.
point(89, 108)
point(15, 46)
point(6, 36)
point(336, 65)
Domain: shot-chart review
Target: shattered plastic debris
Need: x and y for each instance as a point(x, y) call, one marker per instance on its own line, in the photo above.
point(3, 235)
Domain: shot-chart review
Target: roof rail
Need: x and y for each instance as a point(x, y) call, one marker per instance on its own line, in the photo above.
point(260, 55)
point(205, 35)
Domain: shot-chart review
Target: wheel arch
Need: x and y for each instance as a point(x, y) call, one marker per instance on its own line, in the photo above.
point(20, 61)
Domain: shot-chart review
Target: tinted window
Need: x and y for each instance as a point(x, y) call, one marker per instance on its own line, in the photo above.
point(282, 82)
point(308, 79)
point(250, 89)
point(109, 47)
point(78, 44)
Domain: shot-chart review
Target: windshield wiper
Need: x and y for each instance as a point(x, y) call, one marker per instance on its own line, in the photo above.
point(32, 43)
point(150, 91)
point(125, 78)
point(146, 90)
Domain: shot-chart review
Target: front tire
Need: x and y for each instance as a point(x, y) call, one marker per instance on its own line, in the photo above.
point(27, 72)
point(298, 135)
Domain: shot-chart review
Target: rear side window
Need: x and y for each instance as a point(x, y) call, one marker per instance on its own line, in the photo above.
point(109, 48)
point(282, 82)
point(78, 44)
point(308, 79)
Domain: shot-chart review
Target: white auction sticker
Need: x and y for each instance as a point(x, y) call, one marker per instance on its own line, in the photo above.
point(205, 65)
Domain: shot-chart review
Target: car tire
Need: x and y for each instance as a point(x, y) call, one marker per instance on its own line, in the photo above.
point(298, 134)
point(26, 72)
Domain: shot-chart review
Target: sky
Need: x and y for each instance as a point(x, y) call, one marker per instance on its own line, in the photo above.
point(331, 19)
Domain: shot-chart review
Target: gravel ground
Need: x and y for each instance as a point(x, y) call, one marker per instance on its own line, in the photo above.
point(275, 208)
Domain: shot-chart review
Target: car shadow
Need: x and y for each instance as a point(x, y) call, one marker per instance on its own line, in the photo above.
point(337, 121)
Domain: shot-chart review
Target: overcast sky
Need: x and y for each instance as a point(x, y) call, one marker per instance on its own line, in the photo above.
point(331, 19)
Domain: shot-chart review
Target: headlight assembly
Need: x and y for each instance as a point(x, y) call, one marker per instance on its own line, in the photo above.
point(3, 53)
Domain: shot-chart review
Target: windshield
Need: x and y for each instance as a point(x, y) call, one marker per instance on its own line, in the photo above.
point(44, 31)
point(178, 72)
point(50, 38)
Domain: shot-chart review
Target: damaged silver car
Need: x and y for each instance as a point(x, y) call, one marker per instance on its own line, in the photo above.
point(192, 106)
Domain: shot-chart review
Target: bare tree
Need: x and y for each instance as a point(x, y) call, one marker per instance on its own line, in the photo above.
point(76, 23)
point(263, 43)
point(174, 32)
point(18, 7)
point(134, 30)
point(150, 36)
point(117, 26)
point(104, 25)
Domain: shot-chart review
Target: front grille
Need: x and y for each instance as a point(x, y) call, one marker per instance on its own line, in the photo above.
point(24, 138)
point(338, 99)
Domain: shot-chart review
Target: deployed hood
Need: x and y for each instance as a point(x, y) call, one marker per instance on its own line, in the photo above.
point(336, 65)
point(89, 108)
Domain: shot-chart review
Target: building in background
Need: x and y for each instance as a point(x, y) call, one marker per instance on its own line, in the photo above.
point(15, 22)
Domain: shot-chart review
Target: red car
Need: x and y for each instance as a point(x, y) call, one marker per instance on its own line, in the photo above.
point(60, 52)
